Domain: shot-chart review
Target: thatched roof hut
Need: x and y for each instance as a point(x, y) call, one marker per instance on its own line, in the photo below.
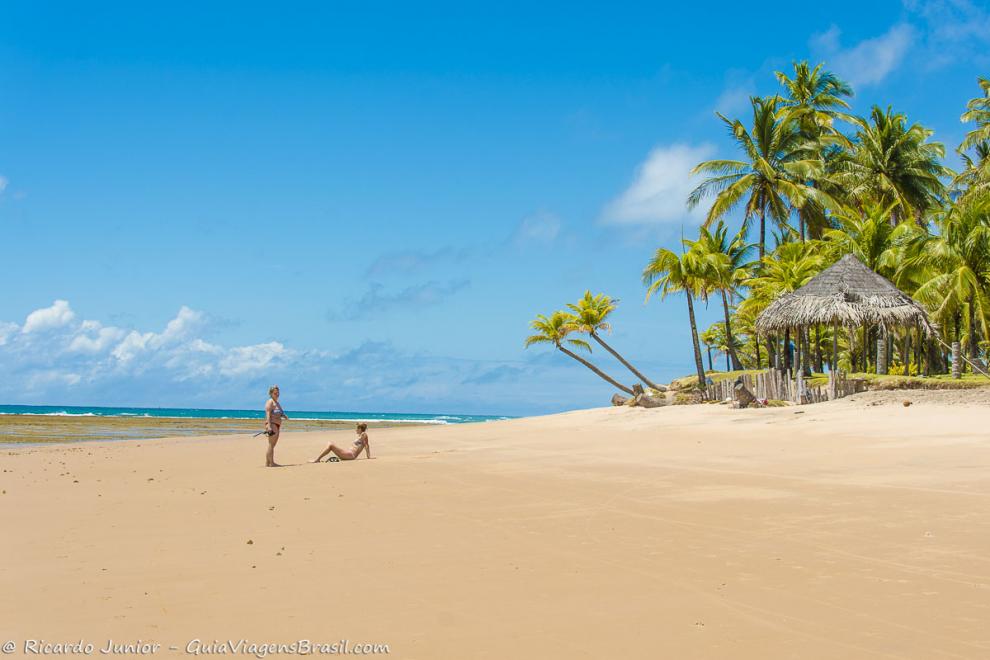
point(846, 293)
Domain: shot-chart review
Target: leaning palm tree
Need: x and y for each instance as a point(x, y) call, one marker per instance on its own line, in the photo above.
point(670, 273)
point(725, 267)
point(591, 316)
point(893, 163)
point(554, 330)
point(773, 176)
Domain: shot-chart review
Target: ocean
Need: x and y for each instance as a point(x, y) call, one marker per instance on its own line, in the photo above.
point(36, 424)
point(216, 413)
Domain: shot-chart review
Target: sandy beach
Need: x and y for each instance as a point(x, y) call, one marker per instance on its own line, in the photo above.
point(854, 529)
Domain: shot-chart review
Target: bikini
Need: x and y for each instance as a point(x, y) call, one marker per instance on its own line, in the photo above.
point(277, 414)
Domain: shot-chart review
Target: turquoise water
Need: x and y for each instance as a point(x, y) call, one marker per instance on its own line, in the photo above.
point(211, 413)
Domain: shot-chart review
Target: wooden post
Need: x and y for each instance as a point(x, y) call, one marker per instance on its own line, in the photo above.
point(835, 346)
point(798, 351)
point(818, 348)
point(907, 352)
point(881, 354)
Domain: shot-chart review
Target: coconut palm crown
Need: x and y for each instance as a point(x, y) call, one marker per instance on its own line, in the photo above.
point(554, 330)
point(772, 178)
point(591, 316)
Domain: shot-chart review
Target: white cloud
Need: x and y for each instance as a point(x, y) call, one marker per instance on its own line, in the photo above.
point(541, 228)
point(251, 359)
point(94, 337)
point(185, 322)
point(135, 342)
point(56, 316)
point(659, 190)
point(176, 330)
point(6, 330)
point(3, 183)
point(871, 60)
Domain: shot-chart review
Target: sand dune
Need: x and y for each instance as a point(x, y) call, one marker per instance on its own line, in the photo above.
point(846, 530)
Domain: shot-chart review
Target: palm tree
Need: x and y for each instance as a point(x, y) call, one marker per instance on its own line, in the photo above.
point(976, 176)
point(978, 111)
point(670, 273)
point(814, 99)
point(772, 177)
point(554, 330)
point(789, 268)
point(744, 333)
point(710, 340)
point(955, 265)
point(870, 235)
point(725, 264)
point(893, 163)
point(715, 337)
point(591, 315)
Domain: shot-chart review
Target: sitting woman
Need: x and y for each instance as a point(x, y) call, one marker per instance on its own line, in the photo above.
point(349, 454)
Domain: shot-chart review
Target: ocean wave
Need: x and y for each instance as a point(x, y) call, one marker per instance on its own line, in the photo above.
point(60, 413)
point(370, 420)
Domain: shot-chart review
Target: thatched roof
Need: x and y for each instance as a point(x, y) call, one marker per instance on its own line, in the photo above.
point(849, 294)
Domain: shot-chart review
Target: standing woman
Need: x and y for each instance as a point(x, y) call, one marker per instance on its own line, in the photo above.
point(273, 424)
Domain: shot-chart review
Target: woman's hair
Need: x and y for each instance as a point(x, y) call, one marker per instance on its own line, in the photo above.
point(272, 389)
point(362, 427)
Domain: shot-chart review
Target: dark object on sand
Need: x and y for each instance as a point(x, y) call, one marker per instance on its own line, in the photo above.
point(618, 400)
point(333, 459)
point(743, 397)
point(907, 403)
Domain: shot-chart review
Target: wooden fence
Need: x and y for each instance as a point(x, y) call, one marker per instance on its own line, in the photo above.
point(776, 384)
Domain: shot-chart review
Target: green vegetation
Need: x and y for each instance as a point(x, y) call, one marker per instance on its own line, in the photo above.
point(831, 183)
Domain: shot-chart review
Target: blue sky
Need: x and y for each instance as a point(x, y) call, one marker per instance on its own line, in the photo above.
point(367, 202)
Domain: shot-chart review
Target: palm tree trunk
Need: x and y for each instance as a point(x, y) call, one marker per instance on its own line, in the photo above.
point(710, 367)
point(649, 383)
point(763, 232)
point(834, 366)
point(736, 364)
point(756, 339)
point(601, 374)
point(907, 352)
point(957, 350)
point(818, 349)
point(699, 365)
point(866, 351)
point(788, 356)
point(974, 347)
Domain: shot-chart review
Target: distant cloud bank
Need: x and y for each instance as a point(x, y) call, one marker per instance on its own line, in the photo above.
point(54, 357)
